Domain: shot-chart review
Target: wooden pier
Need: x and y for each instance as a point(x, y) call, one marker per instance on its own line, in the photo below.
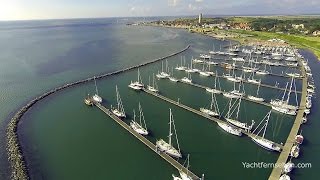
point(244, 98)
point(145, 141)
point(284, 155)
point(249, 134)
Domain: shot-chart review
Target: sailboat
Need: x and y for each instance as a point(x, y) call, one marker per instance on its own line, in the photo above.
point(183, 176)
point(214, 110)
point(256, 98)
point(233, 78)
point(140, 127)
point(263, 72)
point(163, 74)
point(261, 141)
point(119, 111)
point(234, 93)
point(203, 72)
point(215, 90)
point(171, 78)
point(153, 87)
point(284, 106)
point(187, 79)
point(137, 85)
point(96, 96)
point(181, 67)
point(235, 121)
point(168, 147)
point(252, 80)
point(230, 129)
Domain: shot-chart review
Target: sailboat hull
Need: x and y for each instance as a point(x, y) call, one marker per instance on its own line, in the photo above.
point(266, 144)
point(167, 148)
point(137, 127)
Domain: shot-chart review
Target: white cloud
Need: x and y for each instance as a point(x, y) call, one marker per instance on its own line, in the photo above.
point(198, 0)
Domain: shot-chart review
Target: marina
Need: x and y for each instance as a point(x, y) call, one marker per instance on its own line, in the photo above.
point(145, 141)
point(137, 126)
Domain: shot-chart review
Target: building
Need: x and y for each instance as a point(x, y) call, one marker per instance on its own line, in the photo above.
point(298, 26)
point(316, 33)
point(200, 18)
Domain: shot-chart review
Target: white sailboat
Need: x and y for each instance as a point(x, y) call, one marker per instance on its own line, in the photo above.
point(163, 74)
point(263, 72)
point(119, 111)
point(236, 122)
point(215, 90)
point(137, 85)
point(284, 106)
point(187, 79)
point(214, 110)
point(171, 78)
point(251, 79)
point(181, 67)
point(261, 141)
point(153, 87)
point(256, 98)
point(183, 176)
point(140, 127)
point(96, 96)
point(230, 129)
point(168, 147)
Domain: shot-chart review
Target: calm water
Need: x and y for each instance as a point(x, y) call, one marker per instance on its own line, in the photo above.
point(64, 139)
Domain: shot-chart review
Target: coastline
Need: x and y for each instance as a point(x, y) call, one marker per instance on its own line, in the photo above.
point(244, 37)
point(19, 170)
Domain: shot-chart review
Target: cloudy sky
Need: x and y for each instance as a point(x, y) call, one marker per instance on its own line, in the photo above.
point(57, 9)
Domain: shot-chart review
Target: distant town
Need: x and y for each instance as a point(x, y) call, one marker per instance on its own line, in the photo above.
point(299, 31)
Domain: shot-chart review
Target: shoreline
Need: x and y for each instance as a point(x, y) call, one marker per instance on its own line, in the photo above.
point(19, 170)
point(245, 37)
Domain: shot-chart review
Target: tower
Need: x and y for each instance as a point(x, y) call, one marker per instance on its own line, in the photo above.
point(200, 18)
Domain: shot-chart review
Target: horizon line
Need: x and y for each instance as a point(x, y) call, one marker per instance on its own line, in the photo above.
point(150, 16)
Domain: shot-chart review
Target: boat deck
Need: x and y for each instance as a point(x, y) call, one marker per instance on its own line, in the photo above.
point(145, 141)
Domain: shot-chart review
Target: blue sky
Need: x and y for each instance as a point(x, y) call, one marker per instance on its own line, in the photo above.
point(57, 9)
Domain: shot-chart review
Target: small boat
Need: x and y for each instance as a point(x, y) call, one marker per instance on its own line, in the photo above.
point(96, 96)
point(163, 74)
point(88, 101)
point(288, 167)
point(141, 127)
point(295, 150)
point(168, 147)
point(284, 177)
point(119, 111)
point(181, 67)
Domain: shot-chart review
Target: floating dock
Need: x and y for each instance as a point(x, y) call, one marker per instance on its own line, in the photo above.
point(200, 113)
point(284, 155)
point(145, 141)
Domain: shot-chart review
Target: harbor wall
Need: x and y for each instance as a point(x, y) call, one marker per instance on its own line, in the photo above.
point(19, 170)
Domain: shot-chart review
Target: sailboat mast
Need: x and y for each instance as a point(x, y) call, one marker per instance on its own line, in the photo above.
point(266, 125)
point(95, 84)
point(284, 93)
point(238, 108)
point(258, 89)
point(140, 114)
point(170, 128)
point(289, 90)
